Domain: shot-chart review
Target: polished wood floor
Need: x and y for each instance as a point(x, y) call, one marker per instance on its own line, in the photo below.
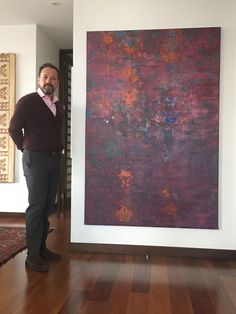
point(115, 284)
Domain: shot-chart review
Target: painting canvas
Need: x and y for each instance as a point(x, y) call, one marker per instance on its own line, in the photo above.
point(152, 128)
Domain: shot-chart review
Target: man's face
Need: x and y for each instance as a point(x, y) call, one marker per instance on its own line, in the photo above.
point(48, 80)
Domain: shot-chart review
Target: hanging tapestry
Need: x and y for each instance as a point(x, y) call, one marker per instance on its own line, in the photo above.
point(152, 127)
point(7, 101)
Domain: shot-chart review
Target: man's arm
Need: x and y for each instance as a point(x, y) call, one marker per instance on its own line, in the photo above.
point(17, 124)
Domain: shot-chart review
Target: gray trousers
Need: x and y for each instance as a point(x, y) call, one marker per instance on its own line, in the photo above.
point(41, 171)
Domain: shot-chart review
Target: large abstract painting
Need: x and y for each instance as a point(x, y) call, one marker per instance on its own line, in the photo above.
point(152, 127)
point(7, 102)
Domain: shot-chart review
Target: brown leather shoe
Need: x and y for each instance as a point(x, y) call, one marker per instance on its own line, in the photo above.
point(36, 263)
point(49, 255)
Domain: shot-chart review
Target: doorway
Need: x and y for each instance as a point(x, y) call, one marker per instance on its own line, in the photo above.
point(65, 66)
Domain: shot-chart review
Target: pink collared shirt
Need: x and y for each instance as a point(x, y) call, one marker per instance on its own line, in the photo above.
point(50, 103)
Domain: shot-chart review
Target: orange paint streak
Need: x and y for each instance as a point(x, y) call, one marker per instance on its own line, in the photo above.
point(130, 74)
point(169, 56)
point(128, 49)
point(125, 177)
point(166, 192)
point(130, 96)
point(170, 207)
point(127, 72)
point(124, 214)
point(108, 39)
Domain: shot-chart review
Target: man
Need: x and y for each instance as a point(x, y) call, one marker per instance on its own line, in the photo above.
point(36, 129)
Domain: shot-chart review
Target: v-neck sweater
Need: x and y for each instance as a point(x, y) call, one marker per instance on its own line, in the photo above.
point(34, 127)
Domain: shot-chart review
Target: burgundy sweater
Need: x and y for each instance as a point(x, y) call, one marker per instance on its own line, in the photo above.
point(34, 127)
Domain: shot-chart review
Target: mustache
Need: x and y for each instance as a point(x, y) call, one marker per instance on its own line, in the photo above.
point(48, 84)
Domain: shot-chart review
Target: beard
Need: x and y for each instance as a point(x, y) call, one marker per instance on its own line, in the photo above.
point(48, 89)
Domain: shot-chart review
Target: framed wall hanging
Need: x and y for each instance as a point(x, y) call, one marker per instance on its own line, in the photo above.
point(152, 128)
point(7, 102)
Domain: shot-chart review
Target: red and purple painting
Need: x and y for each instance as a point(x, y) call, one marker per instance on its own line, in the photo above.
point(152, 128)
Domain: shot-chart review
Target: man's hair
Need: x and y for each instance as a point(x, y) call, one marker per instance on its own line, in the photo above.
point(48, 65)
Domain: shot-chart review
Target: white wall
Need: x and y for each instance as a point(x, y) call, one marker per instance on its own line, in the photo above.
point(46, 50)
point(31, 47)
point(157, 14)
point(21, 40)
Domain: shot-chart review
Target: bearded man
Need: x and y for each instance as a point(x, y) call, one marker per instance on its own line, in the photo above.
point(36, 129)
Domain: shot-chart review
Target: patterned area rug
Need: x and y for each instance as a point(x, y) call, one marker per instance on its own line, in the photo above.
point(12, 241)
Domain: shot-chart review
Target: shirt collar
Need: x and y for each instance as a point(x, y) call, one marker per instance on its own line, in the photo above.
point(42, 95)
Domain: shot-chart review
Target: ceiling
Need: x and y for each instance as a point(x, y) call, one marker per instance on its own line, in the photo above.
point(55, 17)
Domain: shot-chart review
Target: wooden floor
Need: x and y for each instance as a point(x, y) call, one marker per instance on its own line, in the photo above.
point(115, 284)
